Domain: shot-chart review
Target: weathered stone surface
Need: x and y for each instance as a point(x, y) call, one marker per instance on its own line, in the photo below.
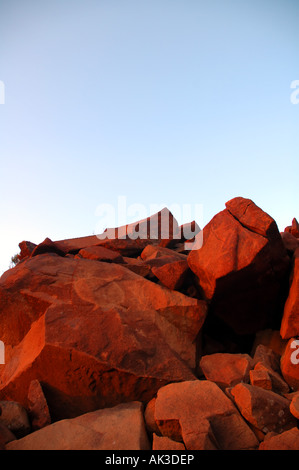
point(288, 440)
point(38, 410)
point(242, 270)
point(290, 321)
point(226, 370)
point(164, 443)
point(137, 266)
point(278, 384)
point(112, 335)
point(265, 409)
point(99, 253)
point(26, 248)
point(151, 252)
point(294, 406)
point(199, 414)
point(159, 226)
point(252, 217)
point(260, 378)
point(48, 246)
point(266, 356)
point(149, 417)
point(172, 275)
point(15, 418)
point(289, 364)
point(118, 428)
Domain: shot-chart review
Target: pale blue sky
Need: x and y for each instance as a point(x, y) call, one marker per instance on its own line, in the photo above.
point(161, 101)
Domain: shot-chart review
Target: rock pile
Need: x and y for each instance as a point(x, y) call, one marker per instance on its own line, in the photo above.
point(135, 343)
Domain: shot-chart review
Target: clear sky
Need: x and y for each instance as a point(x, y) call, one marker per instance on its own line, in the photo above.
point(157, 101)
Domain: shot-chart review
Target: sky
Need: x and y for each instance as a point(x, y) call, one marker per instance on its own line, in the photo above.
point(127, 105)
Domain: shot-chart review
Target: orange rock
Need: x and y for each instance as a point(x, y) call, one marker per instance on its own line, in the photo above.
point(99, 253)
point(118, 428)
point(149, 417)
point(226, 370)
point(260, 378)
point(106, 335)
point(278, 385)
point(37, 407)
point(164, 443)
point(172, 275)
point(48, 246)
point(153, 252)
point(265, 409)
point(290, 321)
point(241, 270)
point(288, 440)
point(201, 416)
point(294, 406)
point(290, 364)
point(26, 249)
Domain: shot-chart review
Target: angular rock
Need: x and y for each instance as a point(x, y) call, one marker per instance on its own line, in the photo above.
point(112, 335)
point(99, 253)
point(137, 266)
point(151, 252)
point(164, 443)
point(149, 417)
point(242, 267)
point(290, 320)
point(48, 246)
point(159, 226)
point(118, 428)
point(278, 385)
point(288, 440)
point(268, 347)
point(15, 418)
point(252, 217)
point(260, 378)
point(172, 275)
point(294, 406)
point(37, 407)
point(226, 370)
point(289, 364)
point(201, 416)
point(264, 409)
point(26, 249)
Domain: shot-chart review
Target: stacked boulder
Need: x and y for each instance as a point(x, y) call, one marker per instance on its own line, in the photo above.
point(131, 340)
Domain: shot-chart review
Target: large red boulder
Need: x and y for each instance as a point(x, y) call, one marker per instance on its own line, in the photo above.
point(201, 416)
point(264, 409)
point(118, 428)
point(93, 333)
point(242, 267)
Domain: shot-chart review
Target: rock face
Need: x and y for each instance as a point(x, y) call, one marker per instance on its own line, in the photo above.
point(139, 342)
point(92, 431)
point(242, 266)
point(200, 415)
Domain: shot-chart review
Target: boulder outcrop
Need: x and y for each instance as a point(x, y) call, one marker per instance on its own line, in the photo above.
point(154, 336)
